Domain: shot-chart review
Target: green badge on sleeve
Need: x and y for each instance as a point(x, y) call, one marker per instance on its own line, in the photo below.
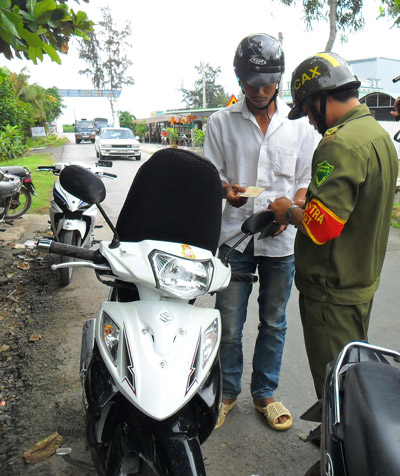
point(324, 169)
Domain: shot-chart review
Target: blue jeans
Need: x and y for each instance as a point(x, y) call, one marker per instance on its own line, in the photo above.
point(276, 277)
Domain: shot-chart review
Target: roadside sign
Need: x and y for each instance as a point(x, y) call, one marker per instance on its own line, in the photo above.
point(38, 132)
point(232, 100)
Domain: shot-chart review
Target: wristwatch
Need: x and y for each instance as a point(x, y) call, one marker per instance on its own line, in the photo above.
point(289, 213)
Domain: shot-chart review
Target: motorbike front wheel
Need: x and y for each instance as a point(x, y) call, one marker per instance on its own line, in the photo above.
point(20, 203)
point(121, 462)
point(69, 237)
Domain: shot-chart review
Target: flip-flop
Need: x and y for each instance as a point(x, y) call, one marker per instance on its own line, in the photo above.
point(223, 411)
point(272, 412)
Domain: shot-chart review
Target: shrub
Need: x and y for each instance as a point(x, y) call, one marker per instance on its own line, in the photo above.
point(199, 136)
point(11, 143)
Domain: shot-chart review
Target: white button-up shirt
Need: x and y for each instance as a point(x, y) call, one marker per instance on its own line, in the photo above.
point(279, 161)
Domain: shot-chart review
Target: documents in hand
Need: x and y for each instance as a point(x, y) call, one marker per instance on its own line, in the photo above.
point(252, 192)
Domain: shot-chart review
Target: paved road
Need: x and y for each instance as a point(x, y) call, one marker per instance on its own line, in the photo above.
point(244, 445)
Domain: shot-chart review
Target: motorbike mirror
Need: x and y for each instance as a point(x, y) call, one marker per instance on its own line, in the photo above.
point(83, 183)
point(104, 163)
point(262, 221)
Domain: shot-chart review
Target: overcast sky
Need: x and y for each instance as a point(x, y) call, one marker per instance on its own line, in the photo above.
point(170, 38)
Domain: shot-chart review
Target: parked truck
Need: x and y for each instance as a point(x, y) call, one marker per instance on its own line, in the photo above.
point(100, 122)
point(84, 131)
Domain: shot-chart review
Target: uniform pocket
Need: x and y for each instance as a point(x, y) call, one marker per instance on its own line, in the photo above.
point(285, 161)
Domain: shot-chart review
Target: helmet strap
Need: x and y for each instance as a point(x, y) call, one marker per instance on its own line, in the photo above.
point(319, 116)
point(273, 99)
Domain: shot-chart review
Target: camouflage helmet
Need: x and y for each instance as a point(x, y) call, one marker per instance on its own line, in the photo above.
point(259, 60)
point(320, 72)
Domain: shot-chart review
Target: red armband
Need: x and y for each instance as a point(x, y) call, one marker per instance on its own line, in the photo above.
point(321, 223)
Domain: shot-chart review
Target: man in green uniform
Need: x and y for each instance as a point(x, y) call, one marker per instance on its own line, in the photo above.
point(343, 229)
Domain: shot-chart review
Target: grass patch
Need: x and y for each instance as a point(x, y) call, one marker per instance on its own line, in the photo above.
point(43, 181)
point(396, 215)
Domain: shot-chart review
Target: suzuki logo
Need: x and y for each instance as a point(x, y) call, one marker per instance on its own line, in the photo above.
point(166, 317)
point(259, 61)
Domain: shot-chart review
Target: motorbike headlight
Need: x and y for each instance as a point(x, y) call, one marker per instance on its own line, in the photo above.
point(210, 338)
point(181, 277)
point(110, 333)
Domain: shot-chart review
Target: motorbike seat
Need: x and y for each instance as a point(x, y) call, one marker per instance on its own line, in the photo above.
point(176, 196)
point(14, 170)
point(7, 189)
point(371, 419)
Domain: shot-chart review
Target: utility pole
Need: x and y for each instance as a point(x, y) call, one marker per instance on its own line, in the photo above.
point(280, 38)
point(204, 85)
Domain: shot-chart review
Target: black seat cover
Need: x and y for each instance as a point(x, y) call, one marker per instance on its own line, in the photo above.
point(176, 196)
point(371, 417)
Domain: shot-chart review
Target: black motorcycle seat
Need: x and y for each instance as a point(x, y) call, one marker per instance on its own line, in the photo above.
point(371, 419)
point(14, 170)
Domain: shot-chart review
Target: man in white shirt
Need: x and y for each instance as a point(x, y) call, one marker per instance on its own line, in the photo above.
point(252, 143)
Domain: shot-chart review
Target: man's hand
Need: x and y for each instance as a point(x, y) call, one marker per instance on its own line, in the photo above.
point(280, 207)
point(231, 193)
point(396, 106)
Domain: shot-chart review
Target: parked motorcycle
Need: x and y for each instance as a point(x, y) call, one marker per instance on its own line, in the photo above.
point(72, 220)
point(22, 199)
point(150, 360)
point(359, 414)
point(10, 185)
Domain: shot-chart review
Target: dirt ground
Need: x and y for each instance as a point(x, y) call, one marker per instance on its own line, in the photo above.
point(35, 390)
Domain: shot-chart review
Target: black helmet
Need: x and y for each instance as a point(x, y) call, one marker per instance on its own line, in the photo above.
point(259, 60)
point(320, 72)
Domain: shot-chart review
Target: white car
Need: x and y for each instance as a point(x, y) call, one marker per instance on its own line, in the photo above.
point(117, 142)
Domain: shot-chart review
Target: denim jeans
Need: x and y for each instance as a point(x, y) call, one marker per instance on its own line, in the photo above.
point(276, 277)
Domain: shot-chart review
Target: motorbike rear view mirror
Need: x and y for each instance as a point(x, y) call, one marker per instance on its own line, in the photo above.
point(104, 163)
point(262, 222)
point(87, 186)
point(83, 184)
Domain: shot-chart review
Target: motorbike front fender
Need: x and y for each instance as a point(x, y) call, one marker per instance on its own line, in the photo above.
point(72, 225)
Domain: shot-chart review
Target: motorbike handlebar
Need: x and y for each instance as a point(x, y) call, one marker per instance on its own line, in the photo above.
point(244, 277)
point(106, 174)
point(68, 250)
point(45, 168)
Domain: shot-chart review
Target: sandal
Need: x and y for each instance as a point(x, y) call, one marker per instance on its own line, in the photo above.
point(225, 408)
point(272, 412)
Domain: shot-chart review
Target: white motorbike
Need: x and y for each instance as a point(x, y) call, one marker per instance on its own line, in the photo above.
point(72, 220)
point(150, 359)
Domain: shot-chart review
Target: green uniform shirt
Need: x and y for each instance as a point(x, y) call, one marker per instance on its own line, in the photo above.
point(354, 174)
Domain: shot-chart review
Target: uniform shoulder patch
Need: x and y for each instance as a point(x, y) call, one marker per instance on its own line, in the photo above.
point(323, 170)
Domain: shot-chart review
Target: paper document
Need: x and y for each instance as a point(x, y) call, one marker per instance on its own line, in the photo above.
point(252, 192)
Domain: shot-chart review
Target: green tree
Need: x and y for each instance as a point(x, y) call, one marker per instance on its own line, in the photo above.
point(55, 104)
point(104, 54)
point(391, 8)
point(47, 103)
point(126, 120)
point(214, 93)
point(33, 28)
point(141, 129)
point(13, 111)
point(344, 16)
